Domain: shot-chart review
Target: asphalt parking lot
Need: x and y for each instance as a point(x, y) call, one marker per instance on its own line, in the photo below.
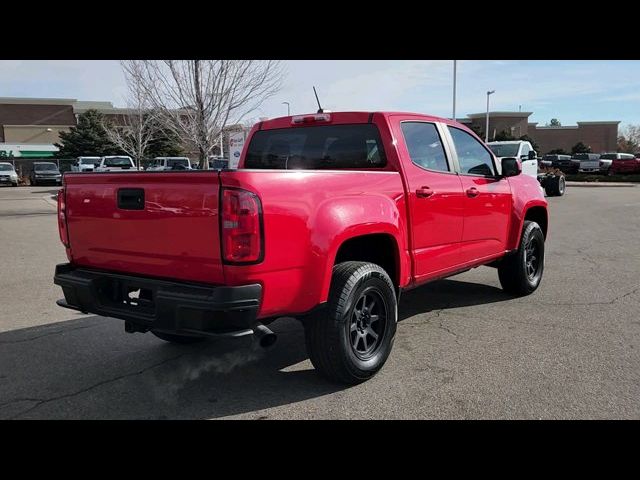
point(464, 349)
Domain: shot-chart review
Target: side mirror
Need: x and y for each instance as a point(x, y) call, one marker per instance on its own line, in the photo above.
point(510, 167)
point(533, 155)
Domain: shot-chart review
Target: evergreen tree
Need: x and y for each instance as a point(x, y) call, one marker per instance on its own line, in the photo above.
point(87, 138)
point(580, 148)
point(165, 143)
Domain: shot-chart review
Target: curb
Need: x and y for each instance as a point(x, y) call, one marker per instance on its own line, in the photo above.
point(601, 184)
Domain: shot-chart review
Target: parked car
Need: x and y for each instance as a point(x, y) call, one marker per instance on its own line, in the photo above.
point(589, 162)
point(552, 183)
point(45, 172)
point(8, 175)
point(327, 219)
point(116, 163)
point(169, 163)
point(85, 164)
point(624, 163)
point(563, 162)
point(606, 159)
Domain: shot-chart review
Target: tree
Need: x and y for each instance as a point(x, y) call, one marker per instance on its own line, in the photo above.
point(197, 99)
point(165, 143)
point(503, 136)
point(527, 138)
point(87, 138)
point(136, 126)
point(477, 130)
point(558, 151)
point(629, 139)
point(554, 123)
point(580, 148)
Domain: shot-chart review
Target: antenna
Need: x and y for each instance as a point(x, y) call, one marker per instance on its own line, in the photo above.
point(320, 110)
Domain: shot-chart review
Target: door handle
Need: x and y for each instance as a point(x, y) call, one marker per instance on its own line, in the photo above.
point(472, 192)
point(424, 192)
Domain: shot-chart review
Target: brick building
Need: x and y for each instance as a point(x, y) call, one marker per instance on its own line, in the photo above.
point(29, 127)
point(600, 136)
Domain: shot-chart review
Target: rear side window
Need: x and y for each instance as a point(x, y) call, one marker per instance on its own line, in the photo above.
point(424, 145)
point(473, 158)
point(178, 162)
point(327, 147)
point(117, 162)
point(609, 156)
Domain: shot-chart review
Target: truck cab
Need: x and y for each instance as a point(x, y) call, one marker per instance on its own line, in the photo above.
point(160, 164)
point(519, 149)
point(116, 163)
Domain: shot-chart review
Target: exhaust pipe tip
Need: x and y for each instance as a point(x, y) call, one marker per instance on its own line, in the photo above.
point(265, 336)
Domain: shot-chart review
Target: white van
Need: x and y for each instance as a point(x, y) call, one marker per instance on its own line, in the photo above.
point(116, 163)
point(159, 164)
point(85, 164)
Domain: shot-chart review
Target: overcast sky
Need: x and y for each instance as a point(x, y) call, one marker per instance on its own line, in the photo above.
point(568, 90)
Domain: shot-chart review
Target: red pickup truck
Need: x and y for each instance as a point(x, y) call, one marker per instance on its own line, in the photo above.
point(329, 218)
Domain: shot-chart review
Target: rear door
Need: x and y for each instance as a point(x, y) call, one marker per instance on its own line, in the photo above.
point(159, 224)
point(435, 197)
point(487, 198)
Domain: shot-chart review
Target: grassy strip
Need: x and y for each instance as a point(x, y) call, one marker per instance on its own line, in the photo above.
point(592, 177)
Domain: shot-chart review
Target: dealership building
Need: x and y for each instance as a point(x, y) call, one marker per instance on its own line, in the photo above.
point(601, 137)
point(29, 127)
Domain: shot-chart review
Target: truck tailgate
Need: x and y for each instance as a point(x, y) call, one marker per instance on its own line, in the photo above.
point(160, 224)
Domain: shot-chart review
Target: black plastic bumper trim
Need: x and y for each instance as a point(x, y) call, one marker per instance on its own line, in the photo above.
point(166, 305)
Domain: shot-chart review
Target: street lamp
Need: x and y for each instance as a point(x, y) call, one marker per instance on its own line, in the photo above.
point(486, 131)
point(288, 108)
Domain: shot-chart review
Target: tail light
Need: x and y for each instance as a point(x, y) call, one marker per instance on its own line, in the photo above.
point(241, 227)
point(62, 218)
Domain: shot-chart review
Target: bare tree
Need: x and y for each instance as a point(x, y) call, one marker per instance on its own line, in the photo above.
point(135, 126)
point(197, 99)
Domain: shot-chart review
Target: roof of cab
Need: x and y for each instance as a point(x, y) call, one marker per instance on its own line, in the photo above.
point(350, 117)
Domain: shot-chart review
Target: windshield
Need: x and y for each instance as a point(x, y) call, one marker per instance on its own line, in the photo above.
point(117, 162)
point(6, 168)
point(505, 150)
point(321, 147)
point(46, 166)
point(89, 161)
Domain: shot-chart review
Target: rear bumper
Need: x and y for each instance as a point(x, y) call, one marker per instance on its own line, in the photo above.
point(175, 307)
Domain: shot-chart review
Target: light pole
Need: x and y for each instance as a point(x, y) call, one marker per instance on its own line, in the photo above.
point(486, 131)
point(454, 90)
point(288, 108)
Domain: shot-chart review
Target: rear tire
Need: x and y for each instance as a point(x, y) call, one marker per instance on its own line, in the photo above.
point(521, 273)
point(179, 339)
point(352, 338)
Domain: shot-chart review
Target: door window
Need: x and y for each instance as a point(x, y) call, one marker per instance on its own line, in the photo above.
point(473, 158)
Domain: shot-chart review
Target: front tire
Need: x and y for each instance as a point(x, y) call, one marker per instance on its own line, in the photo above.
point(520, 273)
point(352, 339)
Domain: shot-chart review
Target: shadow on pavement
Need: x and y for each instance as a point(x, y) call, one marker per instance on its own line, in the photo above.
point(89, 368)
point(446, 294)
